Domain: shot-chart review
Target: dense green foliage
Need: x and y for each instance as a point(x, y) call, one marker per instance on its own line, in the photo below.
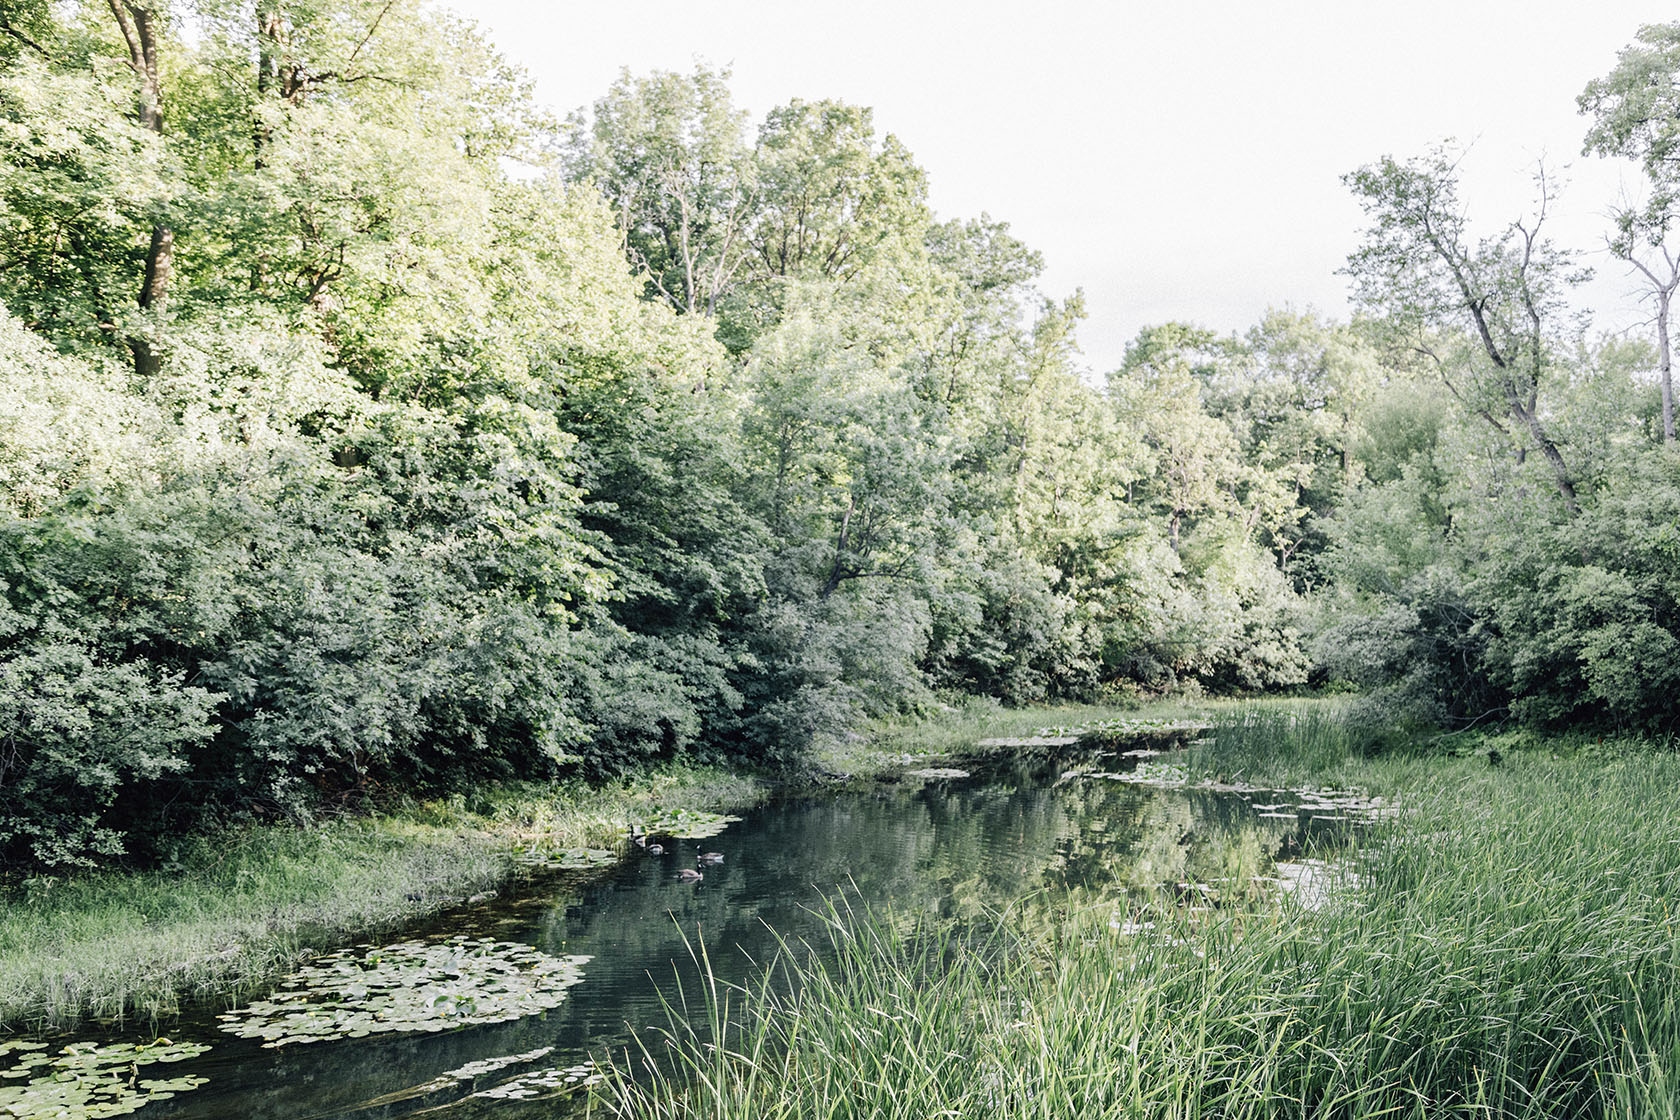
point(362, 428)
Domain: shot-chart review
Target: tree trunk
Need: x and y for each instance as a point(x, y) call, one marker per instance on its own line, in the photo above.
point(1665, 367)
point(140, 34)
point(1553, 457)
point(837, 571)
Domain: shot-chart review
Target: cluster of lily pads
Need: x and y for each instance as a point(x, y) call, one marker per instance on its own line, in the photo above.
point(453, 1079)
point(566, 859)
point(686, 824)
point(1321, 805)
point(937, 772)
point(1124, 725)
point(1165, 775)
point(1331, 805)
point(544, 1081)
point(550, 1081)
point(411, 986)
point(86, 1079)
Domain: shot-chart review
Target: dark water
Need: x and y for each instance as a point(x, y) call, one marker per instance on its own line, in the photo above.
point(943, 848)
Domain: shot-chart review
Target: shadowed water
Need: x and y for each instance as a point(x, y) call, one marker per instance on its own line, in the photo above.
point(941, 848)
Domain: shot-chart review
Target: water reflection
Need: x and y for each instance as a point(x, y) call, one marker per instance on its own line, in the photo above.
point(937, 847)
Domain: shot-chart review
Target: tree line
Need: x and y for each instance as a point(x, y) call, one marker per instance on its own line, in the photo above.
point(366, 430)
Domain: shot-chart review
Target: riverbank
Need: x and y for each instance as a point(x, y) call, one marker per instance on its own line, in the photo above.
point(234, 911)
point(1505, 946)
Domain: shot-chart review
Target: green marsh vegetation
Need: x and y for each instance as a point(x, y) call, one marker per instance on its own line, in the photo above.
point(1505, 947)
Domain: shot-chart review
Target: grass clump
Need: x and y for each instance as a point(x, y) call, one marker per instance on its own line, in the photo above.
point(1283, 743)
point(1508, 948)
point(233, 911)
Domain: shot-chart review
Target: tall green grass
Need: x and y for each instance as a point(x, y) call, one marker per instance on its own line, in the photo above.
point(1287, 743)
point(1509, 950)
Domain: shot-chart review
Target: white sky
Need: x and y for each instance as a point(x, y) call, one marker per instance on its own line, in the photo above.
point(1178, 159)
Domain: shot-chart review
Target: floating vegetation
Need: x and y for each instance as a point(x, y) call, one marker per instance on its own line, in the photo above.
point(544, 1081)
point(455, 1077)
point(568, 859)
point(86, 1079)
point(937, 772)
point(1129, 726)
point(687, 824)
point(1168, 775)
point(1333, 806)
point(412, 986)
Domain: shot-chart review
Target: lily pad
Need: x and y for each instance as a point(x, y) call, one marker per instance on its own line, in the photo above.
point(1167, 775)
point(411, 986)
point(86, 1079)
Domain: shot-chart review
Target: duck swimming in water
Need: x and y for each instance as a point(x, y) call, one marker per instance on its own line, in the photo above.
point(709, 857)
point(689, 875)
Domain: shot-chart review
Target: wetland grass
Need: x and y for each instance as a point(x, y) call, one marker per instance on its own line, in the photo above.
point(1510, 950)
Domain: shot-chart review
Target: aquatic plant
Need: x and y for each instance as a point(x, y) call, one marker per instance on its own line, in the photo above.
point(934, 773)
point(1127, 726)
point(89, 1080)
point(545, 1082)
point(566, 859)
point(411, 986)
point(454, 1078)
point(686, 824)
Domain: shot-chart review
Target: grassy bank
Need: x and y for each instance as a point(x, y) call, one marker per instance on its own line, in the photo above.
point(1509, 949)
point(233, 911)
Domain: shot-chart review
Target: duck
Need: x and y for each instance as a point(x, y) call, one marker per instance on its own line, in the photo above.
point(655, 849)
point(709, 857)
point(689, 875)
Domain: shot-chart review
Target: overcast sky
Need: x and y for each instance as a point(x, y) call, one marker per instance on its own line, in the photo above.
point(1179, 159)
